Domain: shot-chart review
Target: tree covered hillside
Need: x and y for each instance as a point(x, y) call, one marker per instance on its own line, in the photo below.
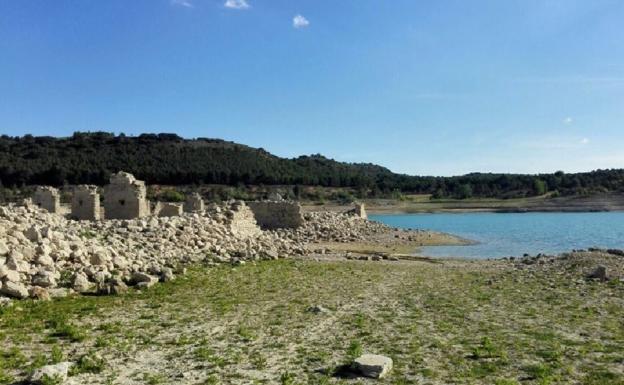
point(169, 159)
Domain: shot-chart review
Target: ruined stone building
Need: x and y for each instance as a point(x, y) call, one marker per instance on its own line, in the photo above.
point(277, 215)
point(125, 197)
point(168, 209)
point(47, 198)
point(360, 211)
point(85, 203)
point(194, 203)
point(240, 220)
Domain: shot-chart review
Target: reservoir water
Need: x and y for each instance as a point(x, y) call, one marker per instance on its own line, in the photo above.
point(513, 234)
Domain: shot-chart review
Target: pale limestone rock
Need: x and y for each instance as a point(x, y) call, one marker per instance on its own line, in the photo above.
point(33, 234)
point(44, 279)
point(56, 372)
point(81, 283)
point(39, 293)
point(9, 275)
point(14, 289)
point(373, 365)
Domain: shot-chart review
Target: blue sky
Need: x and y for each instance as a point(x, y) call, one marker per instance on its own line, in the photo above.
point(428, 87)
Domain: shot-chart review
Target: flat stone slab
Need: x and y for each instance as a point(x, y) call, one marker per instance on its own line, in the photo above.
point(47, 374)
point(373, 365)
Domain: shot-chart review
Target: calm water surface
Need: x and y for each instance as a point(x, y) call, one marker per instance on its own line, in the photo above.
point(513, 234)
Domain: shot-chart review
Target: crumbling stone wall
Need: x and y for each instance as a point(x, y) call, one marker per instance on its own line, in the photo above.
point(241, 220)
point(277, 215)
point(85, 203)
point(168, 209)
point(125, 197)
point(47, 198)
point(194, 203)
point(360, 211)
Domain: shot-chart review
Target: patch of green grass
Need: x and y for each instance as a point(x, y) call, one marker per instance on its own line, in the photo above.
point(430, 318)
point(354, 350)
point(153, 378)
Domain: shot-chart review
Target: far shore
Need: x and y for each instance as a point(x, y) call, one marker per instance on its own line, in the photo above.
point(417, 204)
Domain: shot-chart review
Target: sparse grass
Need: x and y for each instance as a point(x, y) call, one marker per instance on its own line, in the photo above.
point(441, 323)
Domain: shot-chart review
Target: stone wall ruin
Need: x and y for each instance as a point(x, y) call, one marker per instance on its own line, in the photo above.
point(47, 198)
point(168, 209)
point(360, 211)
point(125, 197)
point(193, 203)
point(85, 203)
point(277, 215)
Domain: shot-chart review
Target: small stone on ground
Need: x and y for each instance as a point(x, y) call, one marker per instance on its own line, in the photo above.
point(373, 365)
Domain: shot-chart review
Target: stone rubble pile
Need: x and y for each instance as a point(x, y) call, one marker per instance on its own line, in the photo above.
point(334, 227)
point(43, 254)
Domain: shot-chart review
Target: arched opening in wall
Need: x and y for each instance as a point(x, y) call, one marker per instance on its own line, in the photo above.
point(122, 202)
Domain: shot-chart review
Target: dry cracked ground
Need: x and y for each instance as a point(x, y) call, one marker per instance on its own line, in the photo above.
point(448, 322)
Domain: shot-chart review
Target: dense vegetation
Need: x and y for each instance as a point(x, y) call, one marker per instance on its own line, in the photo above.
point(171, 160)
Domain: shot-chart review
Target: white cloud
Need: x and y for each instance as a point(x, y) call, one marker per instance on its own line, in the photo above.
point(182, 3)
point(236, 4)
point(584, 141)
point(300, 22)
point(568, 120)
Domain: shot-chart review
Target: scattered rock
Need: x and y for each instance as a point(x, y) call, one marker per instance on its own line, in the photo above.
point(81, 283)
point(15, 290)
point(39, 293)
point(318, 309)
point(4, 250)
point(600, 272)
point(143, 281)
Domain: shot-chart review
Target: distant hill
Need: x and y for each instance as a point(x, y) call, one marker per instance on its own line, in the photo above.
point(172, 160)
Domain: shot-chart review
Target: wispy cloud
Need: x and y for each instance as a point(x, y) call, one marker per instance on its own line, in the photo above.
point(182, 3)
point(236, 4)
point(300, 22)
point(584, 141)
point(568, 120)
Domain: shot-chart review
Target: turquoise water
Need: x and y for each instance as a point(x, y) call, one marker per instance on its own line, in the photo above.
point(513, 234)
